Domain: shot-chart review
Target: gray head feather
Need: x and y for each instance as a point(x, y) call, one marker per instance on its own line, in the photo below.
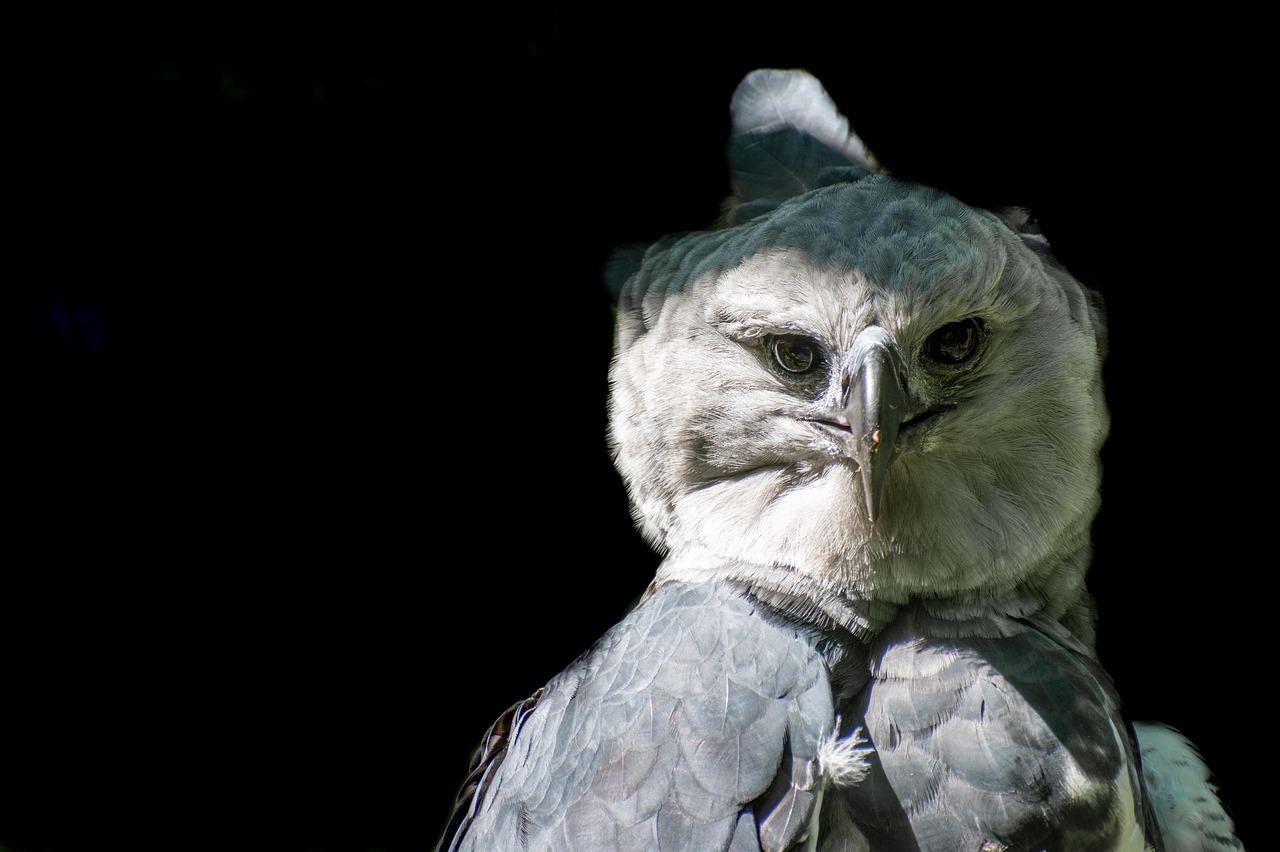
point(788, 137)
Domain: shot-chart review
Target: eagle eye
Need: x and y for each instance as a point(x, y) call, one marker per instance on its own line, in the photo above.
point(794, 353)
point(955, 342)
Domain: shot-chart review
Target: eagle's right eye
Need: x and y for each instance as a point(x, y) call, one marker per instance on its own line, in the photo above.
point(955, 342)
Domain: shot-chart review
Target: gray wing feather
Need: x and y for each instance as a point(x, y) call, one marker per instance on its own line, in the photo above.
point(1184, 799)
point(995, 730)
point(693, 723)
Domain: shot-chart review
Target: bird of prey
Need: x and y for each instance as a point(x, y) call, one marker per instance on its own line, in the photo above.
point(860, 420)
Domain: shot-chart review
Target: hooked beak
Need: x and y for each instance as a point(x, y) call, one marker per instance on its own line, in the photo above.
point(875, 404)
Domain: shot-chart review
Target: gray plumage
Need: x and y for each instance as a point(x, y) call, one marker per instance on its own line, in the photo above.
point(861, 421)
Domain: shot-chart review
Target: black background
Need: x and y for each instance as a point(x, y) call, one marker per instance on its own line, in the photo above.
point(304, 364)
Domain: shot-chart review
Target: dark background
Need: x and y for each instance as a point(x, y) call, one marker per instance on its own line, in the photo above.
point(304, 354)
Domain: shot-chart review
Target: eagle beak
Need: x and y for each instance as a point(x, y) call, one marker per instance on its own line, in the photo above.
point(874, 402)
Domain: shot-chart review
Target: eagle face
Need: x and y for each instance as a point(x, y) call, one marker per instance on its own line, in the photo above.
point(873, 385)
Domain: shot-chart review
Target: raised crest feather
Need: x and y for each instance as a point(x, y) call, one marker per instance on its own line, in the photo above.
point(787, 136)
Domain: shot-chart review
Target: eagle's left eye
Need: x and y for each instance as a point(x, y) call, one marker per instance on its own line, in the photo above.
point(794, 353)
point(955, 342)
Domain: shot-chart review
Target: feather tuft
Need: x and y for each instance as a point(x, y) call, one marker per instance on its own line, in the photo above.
point(844, 761)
